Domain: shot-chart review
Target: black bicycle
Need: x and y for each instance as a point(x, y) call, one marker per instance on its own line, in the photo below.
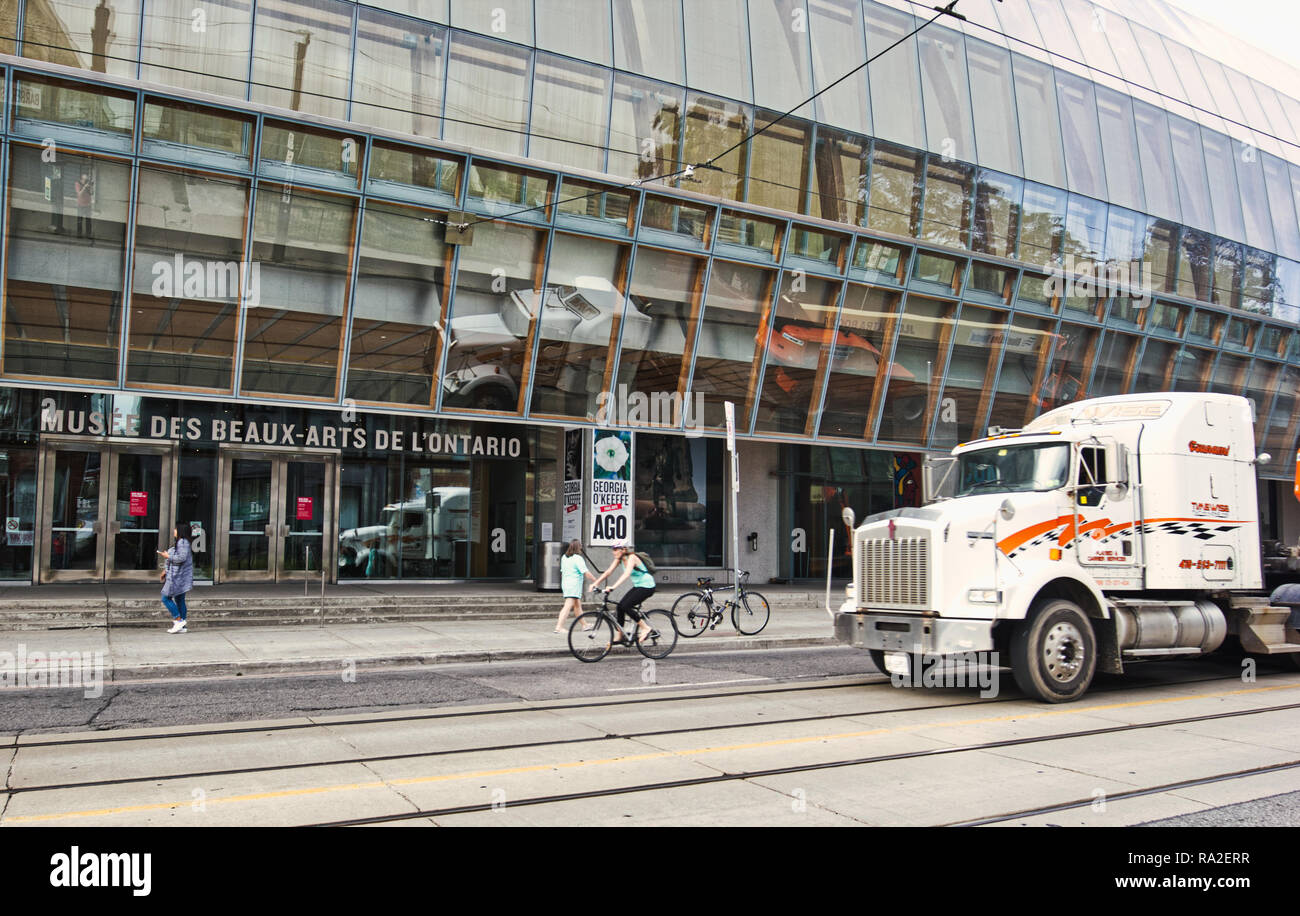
point(591, 636)
point(695, 612)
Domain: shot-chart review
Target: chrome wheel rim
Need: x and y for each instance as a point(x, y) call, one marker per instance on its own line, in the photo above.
point(1063, 652)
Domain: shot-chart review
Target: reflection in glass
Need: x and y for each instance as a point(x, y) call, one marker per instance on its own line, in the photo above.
point(73, 105)
point(75, 521)
point(189, 240)
point(946, 215)
point(1040, 128)
point(67, 231)
point(679, 509)
point(1115, 363)
point(645, 127)
point(712, 126)
point(840, 177)
point(174, 130)
point(96, 35)
point(981, 335)
point(924, 333)
point(1191, 368)
point(214, 59)
point(648, 42)
point(838, 45)
point(401, 288)
point(946, 88)
point(1042, 224)
point(287, 148)
point(801, 349)
point(681, 221)
point(1189, 168)
point(292, 338)
point(304, 543)
point(665, 289)
point(1227, 273)
point(570, 107)
point(1254, 196)
point(1067, 378)
point(18, 500)
point(895, 190)
point(582, 310)
point(487, 94)
point(997, 135)
point(399, 71)
point(735, 321)
point(410, 168)
point(302, 55)
point(778, 169)
point(997, 214)
point(136, 538)
point(868, 323)
point(894, 77)
point(248, 547)
point(1229, 374)
point(1027, 353)
point(597, 207)
point(493, 307)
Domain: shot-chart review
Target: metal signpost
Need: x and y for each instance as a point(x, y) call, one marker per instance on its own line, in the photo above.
point(730, 410)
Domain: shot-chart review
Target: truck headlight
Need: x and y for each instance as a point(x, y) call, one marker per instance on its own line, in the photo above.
point(984, 596)
point(851, 591)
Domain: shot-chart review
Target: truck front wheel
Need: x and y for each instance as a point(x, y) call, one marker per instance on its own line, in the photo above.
point(1054, 652)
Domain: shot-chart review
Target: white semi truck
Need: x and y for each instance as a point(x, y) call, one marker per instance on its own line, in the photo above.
point(1105, 532)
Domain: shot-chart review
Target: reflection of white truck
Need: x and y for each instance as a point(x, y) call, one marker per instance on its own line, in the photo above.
point(1105, 532)
point(425, 528)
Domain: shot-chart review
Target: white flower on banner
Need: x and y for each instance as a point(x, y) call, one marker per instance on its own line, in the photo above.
point(611, 454)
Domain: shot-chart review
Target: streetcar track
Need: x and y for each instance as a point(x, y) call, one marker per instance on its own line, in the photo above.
point(814, 767)
point(1123, 796)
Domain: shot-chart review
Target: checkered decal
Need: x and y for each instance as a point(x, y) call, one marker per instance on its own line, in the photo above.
point(1199, 530)
point(1039, 541)
point(1203, 531)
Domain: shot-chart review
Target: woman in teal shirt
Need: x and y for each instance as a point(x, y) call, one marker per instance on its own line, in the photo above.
point(643, 584)
point(572, 571)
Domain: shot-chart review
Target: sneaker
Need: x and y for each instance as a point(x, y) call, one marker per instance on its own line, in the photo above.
point(177, 626)
point(185, 626)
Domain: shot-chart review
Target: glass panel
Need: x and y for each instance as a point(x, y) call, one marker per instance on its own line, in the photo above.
point(645, 127)
point(968, 384)
point(688, 223)
point(247, 548)
point(997, 214)
point(1195, 265)
point(878, 261)
point(1119, 139)
point(1257, 283)
point(581, 314)
point(292, 338)
point(1254, 196)
point(1281, 202)
point(597, 206)
point(1067, 379)
point(136, 541)
point(801, 348)
point(997, 135)
point(1240, 334)
point(759, 237)
point(1159, 253)
point(1167, 317)
point(944, 82)
point(1028, 350)
point(867, 325)
point(409, 168)
point(175, 130)
point(18, 500)
point(289, 148)
point(1085, 233)
point(923, 336)
point(306, 539)
point(1189, 167)
point(1114, 363)
point(508, 190)
point(371, 524)
point(658, 331)
point(570, 108)
point(812, 245)
point(1040, 128)
point(935, 269)
point(1159, 184)
point(715, 66)
point(991, 280)
point(1127, 311)
point(63, 307)
point(1279, 431)
point(302, 55)
point(87, 34)
point(510, 19)
point(487, 94)
point(680, 517)
point(399, 72)
point(1229, 374)
point(73, 106)
point(1126, 236)
point(1224, 197)
point(74, 542)
point(895, 77)
point(1227, 273)
point(1079, 131)
point(189, 279)
point(714, 125)
point(945, 218)
point(736, 315)
point(778, 34)
point(401, 289)
point(649, 41)
point(578, 28)
point(839, 45)
point(840, 177)
point(895, 190)
point(1204, 326)
point(494, 304)
point(1191, 368)
point(1042, 224)
point(1155, 371)
point(778, 165)
point(213, 59)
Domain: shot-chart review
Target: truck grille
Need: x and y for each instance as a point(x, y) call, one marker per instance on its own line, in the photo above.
point(894, 573)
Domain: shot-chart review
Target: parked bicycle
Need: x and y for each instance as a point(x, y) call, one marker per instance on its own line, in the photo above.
point(695, 612)
point(592, 635)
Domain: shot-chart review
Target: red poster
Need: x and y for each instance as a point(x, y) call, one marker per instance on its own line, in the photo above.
point(139, 502)
point(304, 508)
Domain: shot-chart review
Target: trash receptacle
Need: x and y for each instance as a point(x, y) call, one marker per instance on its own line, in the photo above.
point(548, 566)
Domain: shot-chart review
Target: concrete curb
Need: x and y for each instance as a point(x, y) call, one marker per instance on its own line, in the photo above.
point(333, 665)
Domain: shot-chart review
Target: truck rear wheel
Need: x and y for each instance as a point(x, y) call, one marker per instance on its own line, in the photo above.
point(1054, 653)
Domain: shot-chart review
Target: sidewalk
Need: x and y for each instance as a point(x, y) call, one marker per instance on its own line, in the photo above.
point(143, 652)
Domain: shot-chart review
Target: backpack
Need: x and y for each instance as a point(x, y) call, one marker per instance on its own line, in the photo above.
point(648, 563)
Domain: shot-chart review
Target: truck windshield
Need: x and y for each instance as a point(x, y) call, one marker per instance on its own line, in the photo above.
point(1012, 468)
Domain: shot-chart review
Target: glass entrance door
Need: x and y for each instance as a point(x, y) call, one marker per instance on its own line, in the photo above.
point(274, 519)
point(106, 509)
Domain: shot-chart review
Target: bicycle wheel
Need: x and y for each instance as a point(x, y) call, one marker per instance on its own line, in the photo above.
point(663, 635)
point(750, 615)
point(691, 613)
point(591, 645)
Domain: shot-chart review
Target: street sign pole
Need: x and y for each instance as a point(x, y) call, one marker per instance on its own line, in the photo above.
point(730, 410)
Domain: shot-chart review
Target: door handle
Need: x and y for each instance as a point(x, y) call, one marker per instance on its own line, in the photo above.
point(284, 531)
point(269, 531)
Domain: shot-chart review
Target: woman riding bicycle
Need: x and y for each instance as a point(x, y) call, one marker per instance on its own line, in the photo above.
point(643, 585)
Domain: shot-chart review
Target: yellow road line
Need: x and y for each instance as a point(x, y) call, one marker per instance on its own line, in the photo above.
point(635, 758)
